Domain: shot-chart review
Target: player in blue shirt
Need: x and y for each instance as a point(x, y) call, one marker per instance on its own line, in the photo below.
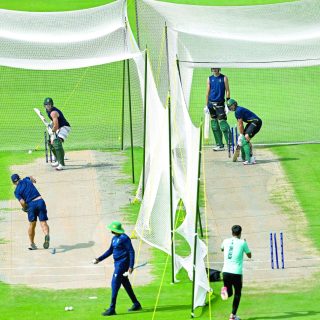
point(62, 129)
point(32, 203)
point(253, 126)
point(123, 254)
point(217, 89)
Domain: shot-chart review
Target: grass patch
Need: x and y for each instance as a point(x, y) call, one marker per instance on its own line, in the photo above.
point(7, 159)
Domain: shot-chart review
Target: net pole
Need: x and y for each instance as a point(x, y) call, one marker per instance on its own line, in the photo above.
point(198, 209)
point(171, 206)
point(196, 225)
point(137, 22)
point(170, 161)
point(130, 119)
point(144, 119)
point(123, 96)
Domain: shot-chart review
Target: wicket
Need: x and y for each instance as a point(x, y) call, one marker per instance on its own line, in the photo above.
point(233, 139)
point(274, 249)
point(46, 139)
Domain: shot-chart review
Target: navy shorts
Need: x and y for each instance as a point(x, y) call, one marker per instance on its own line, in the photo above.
point(37, 209)
point(252, 128)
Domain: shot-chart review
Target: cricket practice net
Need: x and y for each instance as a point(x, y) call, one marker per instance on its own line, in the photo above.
point(77, 59)
point(270, 54)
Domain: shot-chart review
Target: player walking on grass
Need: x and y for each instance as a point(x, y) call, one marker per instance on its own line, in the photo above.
point(233, 249)
point(32, 203)
point(61, 127)
point(123, 255)
point(217, 89)
point(253, 126)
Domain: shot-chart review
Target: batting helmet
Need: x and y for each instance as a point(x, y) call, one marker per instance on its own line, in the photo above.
point(48, 101)
point(231, 102)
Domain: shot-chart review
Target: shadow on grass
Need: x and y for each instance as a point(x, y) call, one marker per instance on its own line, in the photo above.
point(63, 248)
point(287, 315)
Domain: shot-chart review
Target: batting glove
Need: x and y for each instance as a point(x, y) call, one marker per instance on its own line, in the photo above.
point(240, 140)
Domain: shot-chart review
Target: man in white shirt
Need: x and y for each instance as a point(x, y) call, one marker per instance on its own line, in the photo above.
point(233, 249)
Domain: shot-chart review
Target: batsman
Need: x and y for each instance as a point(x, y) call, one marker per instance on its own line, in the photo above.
point(61, 129)
point(253, 126)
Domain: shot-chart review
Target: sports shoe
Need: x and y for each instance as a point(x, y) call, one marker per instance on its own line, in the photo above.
point(234, 317)
point(135, 307)
point(224, 293)
point(218, 148)
point(60, 167)
point(46, 241)
point(253, 160)
point(247, 163)
point(54, 164)
point(32, 246)
point(109, 312)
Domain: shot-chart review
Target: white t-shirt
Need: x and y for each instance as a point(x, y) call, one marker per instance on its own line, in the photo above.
point(233, 249)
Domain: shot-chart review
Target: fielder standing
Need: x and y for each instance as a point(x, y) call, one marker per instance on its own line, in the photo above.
point(61, 128)
point(123, 255)
point(32, 203)
point(253, 126)
point(233, 249)
point(217, 89)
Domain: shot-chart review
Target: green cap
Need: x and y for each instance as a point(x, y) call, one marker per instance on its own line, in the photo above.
point(231, 102)
point(116, 227)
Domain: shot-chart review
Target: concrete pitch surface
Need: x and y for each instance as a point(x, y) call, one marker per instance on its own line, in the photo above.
point(81, 201)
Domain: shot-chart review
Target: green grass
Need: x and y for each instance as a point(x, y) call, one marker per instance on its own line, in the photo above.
point(8, 159)
point(303, 171)
point(228, 2)
point(22, 90)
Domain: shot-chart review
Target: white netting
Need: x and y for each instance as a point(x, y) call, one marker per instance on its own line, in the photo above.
point(64, 40)
point(285, 34)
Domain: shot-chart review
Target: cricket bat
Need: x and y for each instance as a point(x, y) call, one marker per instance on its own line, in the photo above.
point(44, 121)
point(137, 267)
point(236, 153)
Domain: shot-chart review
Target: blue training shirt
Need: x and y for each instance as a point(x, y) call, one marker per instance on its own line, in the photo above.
point(26, 190)
point(217, 88)
point(122, 250)
point(61, 119)
point(245, 114)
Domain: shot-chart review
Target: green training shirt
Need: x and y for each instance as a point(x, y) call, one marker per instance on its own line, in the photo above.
point(234, 249)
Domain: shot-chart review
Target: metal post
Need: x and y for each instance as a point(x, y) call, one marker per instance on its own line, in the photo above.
point(137, 22)
point(271, 250)
point(196, 225)
point(144, 119)
point(123, 96)
point(130, 116)
point(282, 254)
point(276, 249)
point(171, 205)
point(46, 146)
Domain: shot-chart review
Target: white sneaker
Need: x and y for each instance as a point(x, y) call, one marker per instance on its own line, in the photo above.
point(253, 160)
point(60, 167)
point(218, 148)
point(247, 163)
point(54, 164)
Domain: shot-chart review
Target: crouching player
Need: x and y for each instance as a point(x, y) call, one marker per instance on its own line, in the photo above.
point(253, 126)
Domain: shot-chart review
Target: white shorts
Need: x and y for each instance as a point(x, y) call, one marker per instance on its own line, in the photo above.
point(63, 132)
